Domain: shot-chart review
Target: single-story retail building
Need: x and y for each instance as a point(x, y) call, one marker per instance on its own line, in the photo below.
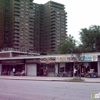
point(49, 65)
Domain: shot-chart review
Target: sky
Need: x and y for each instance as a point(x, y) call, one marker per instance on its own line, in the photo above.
point(80, 14)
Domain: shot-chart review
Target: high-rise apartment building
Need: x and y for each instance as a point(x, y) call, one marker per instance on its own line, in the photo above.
point(36, 27)
point(17, 24)
point(2, 12)
point(53, 26)
point(28, 26)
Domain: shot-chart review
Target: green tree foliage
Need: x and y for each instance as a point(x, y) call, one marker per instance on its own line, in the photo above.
point(67, 46)
point(90, 39)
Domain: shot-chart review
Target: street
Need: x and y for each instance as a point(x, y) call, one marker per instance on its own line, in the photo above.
point(46, 90)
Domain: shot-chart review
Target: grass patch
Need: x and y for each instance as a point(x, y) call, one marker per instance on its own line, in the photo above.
point(76, 79)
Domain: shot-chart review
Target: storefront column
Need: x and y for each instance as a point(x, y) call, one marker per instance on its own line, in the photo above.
point(99, 68)
point(0, 69)
point(25, 69)
point(56, 68)
point(10, 54)
point(73, 69)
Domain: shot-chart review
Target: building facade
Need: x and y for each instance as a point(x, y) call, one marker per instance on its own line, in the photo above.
point(53, 29)
point(54, 64)
point(17, 19)
point(28, 26)
point(2, 6)
point(36, 27)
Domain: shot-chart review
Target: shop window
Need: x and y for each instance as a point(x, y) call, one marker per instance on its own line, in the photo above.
point(51, 68)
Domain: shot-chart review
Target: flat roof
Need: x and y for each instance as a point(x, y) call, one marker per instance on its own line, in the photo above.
point(46, 56)
point(18, 52)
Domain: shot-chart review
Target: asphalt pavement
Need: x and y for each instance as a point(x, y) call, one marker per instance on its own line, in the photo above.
point(47, 90)
point(42, 78)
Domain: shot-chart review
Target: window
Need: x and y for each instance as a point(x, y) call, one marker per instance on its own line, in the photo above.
point(17, 0)
point(21, 37)
point(17, 4)
point(22, 2)
point(22, 8)
point(22, 16)
point(58, 12)
point(22, 5)
point(27, 6)
point(17, 18)
point(31, 15)
point(16, 7)
point(58, 41)
point(58, 18)
point(26, 2)
point(26, 24)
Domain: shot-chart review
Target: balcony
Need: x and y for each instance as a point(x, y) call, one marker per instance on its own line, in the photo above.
point(16, 38)
point(16, 35)
point(58, 6)
point(16, 31)
point(16, 42)
point(53, 37)
point(52, 17)
point(17, 8)
point(53, 30)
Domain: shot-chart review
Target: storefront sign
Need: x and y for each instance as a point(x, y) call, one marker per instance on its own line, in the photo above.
point(94, 58)
point(36, 60)
point(91, 58)
point(67, 59)
point(47, 60)
point(72, 59)
point(11, 61)
point(61, 59)
point(88, 59)
point(76, 59)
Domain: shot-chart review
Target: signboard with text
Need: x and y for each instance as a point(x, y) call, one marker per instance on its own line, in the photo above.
point(35, 60)
point(76, 59)
point(61, 59)
point(91, 58)
point(12, 61)
point(47, 60)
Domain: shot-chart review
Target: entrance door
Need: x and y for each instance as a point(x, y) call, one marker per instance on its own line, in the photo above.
point(51, 69)
point(40, 69)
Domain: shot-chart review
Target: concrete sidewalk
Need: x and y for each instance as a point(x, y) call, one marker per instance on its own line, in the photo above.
point(37, 78)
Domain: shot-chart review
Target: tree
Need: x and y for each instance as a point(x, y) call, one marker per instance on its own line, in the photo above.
point(90, 39)
point(67, 46)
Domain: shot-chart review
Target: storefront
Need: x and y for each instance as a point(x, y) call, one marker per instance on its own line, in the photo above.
point(8, 66)
point(90, 64)
point(32, 67)
point(47, 66)
point(50, 64)
point(67, 64)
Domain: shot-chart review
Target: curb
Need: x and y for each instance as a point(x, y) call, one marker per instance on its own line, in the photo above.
point(49, 80)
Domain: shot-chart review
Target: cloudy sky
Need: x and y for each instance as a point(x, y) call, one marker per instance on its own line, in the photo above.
point(81, 14)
